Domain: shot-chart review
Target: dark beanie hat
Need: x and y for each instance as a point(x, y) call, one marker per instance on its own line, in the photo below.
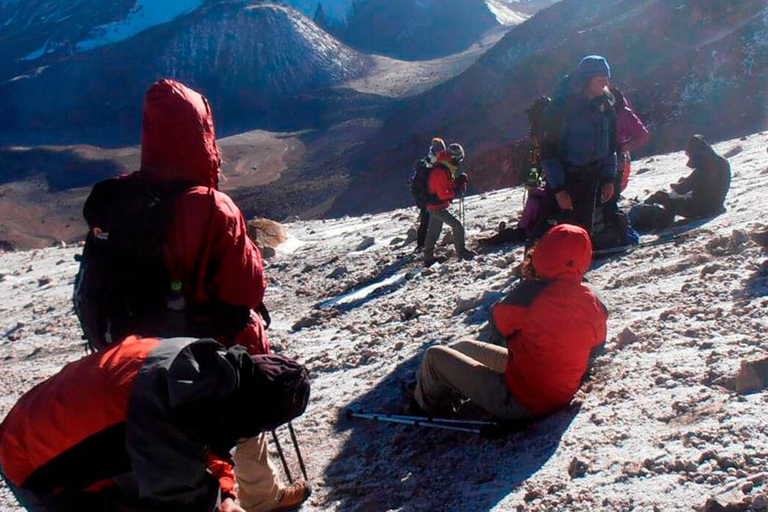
point(271, 390)
point(594, 65)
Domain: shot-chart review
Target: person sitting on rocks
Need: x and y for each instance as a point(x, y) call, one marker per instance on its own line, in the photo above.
point(698, 195)
point(553, 327)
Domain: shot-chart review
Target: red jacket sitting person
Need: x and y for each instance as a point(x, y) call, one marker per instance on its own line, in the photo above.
point(552, 328)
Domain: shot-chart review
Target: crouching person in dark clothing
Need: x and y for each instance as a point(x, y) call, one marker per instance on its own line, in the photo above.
point(145, 426)
point(552, 328)
point(701, 194)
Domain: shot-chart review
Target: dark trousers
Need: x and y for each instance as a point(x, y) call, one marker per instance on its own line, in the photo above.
point(421, 233)
point(581, 184)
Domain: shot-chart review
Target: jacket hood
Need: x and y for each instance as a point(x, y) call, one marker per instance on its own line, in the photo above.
point(698, 149)
point(564, 253)
point(178, 141)
point(271, 390)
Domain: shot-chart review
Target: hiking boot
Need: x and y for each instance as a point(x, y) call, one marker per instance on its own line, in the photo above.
point(467, 254)
point(428, 262)
point(293, 496)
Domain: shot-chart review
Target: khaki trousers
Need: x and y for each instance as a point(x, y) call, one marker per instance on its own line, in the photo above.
point(259, 488)
point(474, 370)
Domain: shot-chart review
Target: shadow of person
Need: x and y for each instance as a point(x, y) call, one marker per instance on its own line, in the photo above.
point(385, 466)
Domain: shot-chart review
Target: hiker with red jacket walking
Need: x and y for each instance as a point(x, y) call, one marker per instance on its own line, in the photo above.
point(446, 182)
point(553, 328)
point(144, 426)
point(211, 270)
point(422, 168)
point(579, 148)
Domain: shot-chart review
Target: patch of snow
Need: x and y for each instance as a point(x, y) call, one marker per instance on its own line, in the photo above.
point(146, 14)
point(505, 12)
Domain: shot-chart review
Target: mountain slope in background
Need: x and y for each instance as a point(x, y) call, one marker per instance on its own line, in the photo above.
point(701, 66)
point(245, 58)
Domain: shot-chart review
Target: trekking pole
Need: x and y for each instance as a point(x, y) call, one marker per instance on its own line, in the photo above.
point(298, 452)
point(282, 457)
point(486, 429)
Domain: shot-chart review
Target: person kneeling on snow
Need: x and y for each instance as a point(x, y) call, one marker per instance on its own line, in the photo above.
point(701, 194)
point(144, 426)
point(553, 327)
point(445, 183)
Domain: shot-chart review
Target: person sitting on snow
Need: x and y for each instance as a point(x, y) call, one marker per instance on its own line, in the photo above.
point(146, 425)
point(553, 327)
point(527, 225)
point(701, 194)
point(445, 183)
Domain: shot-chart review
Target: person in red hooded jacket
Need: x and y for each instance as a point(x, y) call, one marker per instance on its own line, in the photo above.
point(445, 183)
point(553, 328)
point(213, 264)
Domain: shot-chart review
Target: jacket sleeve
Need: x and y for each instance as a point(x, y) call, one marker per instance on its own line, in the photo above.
point(508, 315)
point(441, 185)
point(636, 131)
point(208, 249)
point(607, 164)
point(223, 472)
point(688, 183)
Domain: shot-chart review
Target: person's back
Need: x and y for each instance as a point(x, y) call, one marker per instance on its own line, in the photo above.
point(144, 424)
point(553, 324)
point(208, 253)
point(710, 181)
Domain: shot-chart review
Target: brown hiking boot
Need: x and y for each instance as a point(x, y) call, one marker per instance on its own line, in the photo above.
point(293, 496)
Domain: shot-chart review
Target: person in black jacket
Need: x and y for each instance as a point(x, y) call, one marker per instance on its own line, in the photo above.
point(698, 195)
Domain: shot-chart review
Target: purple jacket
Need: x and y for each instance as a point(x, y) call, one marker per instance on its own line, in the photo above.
point(531, 212)
point(631, 133)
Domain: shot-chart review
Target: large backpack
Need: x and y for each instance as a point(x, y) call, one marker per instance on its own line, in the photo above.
point(420, 183)
point(122, 285)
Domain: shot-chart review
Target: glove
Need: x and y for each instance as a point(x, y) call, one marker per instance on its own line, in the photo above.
point(461, 182)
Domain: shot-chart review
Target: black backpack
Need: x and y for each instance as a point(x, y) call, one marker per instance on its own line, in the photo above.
point(420, 183)
point(122, 285)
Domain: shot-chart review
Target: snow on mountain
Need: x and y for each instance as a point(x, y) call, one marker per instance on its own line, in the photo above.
point(658, 427)
point(146, 14)
point(505, 11)
point(337, 10)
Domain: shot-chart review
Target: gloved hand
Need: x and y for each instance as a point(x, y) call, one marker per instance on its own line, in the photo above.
point(462, 180)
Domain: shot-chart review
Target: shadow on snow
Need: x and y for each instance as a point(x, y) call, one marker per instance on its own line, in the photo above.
point(385, 466)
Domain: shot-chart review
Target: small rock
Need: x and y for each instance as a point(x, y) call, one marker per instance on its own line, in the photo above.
point(760, 502)
point(338, 272)
point(752, 377)
point(729, 501)
point(399, 345)
point(43, 281)
point(409, 312)
point(625, 338)
point(268, 252)
point(733, 152)
point(397, 241)
point(577, 468)
point(710, 269)
point(367, 242)
point(464, 303)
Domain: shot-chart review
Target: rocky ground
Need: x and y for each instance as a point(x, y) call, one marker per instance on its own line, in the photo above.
point(673, 419)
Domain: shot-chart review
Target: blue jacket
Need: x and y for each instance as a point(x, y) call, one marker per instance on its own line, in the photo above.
point(579, 133)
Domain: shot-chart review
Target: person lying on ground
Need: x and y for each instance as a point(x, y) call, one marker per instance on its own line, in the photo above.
point(146, 425)
point(553, 329)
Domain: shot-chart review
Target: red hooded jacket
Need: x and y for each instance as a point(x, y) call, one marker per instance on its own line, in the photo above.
point(207, 247)
point(442, 182)
point(551, 326)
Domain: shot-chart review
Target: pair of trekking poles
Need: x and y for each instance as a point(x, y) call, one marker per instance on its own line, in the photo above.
point(298, 454)
point(484, 428)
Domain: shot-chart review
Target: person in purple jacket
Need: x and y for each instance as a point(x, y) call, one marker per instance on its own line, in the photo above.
point(527, 226)
point(631, 135)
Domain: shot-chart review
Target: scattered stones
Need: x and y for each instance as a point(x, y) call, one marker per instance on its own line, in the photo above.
point(367, 242)
point(731, 500)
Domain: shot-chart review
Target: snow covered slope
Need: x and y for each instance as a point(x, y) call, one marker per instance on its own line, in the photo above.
point(657, 427)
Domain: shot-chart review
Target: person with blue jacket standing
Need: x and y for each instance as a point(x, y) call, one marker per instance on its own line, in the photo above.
point(579, 147)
